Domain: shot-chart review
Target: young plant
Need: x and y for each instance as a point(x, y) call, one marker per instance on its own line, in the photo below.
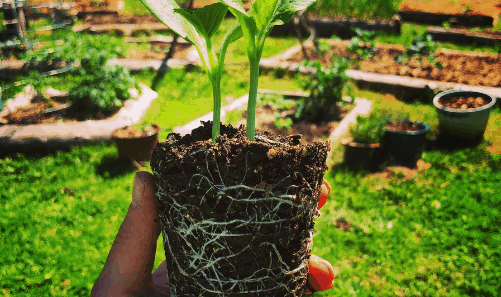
point(326, 89)
point(369, 129)
point(200, 25)
point(363, 44)
point(422, 46)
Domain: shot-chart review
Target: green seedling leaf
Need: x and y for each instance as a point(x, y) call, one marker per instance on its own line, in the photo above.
point(206, 19)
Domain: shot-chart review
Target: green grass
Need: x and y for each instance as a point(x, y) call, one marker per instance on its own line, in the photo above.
point(362, 9)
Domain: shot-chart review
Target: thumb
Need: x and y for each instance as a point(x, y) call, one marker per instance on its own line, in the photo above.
point(132, 255)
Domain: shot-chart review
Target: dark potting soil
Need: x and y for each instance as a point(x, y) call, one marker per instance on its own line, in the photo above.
point(462, 102)
point(237, 215)
point(404, 126)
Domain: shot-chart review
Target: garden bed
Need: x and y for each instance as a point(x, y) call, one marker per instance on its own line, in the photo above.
point(460, 12)
point(52, 133)
point(464, 35)
point(461, 70)
point(326, 131)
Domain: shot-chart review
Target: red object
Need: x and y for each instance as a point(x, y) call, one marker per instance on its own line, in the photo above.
point(326, 189)
point(321, 275)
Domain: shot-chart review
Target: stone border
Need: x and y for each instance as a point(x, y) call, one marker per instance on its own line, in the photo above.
point(459, 36)
point(362, 107)
point(57, 136)
point(404, 86)
point(468, 20)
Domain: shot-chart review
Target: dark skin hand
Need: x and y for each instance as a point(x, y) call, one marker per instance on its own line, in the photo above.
point(128, 268)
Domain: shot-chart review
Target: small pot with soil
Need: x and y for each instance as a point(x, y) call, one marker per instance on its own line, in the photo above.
point(363, 149)
point(463, 115)
point(405, 140)
point(136, 142)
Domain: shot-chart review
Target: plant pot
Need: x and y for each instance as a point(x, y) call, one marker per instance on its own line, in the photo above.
point(464, 124)
point(135, 146)
point(365, 156)
point(406, 147)
point(237, 216)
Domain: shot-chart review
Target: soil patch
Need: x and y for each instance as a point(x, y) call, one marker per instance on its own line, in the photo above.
point(158, 51)
point(132, 132)
point(120, 19)
point(462, 102)
point(463, 68)
point(41, 112)
point(310, 131)
point(404, 126)
point(476, 7)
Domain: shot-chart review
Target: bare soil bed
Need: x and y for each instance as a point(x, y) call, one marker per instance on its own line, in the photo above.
point(119, 19)
point(158, 51)
point(469, 69)
point(38, 112)
point(475, 7)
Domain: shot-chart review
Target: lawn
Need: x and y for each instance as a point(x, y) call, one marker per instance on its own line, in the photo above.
point(434, 234)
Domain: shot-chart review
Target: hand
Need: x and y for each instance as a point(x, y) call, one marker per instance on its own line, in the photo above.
point(127, 271)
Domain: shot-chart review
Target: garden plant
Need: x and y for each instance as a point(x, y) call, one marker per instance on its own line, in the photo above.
point(215, 212)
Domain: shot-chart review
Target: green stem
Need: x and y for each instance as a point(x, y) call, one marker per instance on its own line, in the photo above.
point(251, 108)
point(216, 95)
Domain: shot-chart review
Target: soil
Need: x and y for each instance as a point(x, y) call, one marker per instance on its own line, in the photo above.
point(310, 131)
point(33, 114)
point(243, 208)
point(133, 132)
point(479, 7)
point(120, 19)
point(404, 126)
point(462, 102)
point(477, 70)
point(158, 51)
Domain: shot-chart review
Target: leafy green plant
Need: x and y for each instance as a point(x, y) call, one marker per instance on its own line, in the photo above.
point(369, 129)
point(326, 89)
point(199, 26)
point(103, 87)
point(363, 44)
point(422, 46)
point(278, 102)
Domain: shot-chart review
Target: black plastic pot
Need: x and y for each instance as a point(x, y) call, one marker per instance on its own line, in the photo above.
point(406, 147)
point(361, 156)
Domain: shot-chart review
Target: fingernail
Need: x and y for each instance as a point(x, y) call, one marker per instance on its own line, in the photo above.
point(137, 190)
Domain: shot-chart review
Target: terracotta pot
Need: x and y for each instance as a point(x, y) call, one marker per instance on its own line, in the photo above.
point(365, 156)
point(136, 148)
point(406, 147)
point(464, 124)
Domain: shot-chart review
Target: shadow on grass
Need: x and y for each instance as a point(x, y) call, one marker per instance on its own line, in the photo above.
point(112, 166)
point(444, 143)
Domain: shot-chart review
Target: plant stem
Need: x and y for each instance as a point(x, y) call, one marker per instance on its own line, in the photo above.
point(216, 95)
point(251, 108)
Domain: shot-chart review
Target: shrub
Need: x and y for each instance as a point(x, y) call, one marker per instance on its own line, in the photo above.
point(103, 87)
point(369, 129)
point(326, 89)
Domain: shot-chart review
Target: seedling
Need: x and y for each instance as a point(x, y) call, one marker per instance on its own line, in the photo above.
point(198, 27)
point(422, 46)
point(363, 44)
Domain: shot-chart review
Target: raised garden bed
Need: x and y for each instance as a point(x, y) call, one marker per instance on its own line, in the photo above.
point(464, 35)
point(48, 135)
point(342, 27)
point(459, 12)
point(475, 71)
point(327, 131)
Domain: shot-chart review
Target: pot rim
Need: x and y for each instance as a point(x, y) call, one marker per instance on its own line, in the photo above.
point(469, 110)
point(157, 129)
point(349, 142)
point(418, 132)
